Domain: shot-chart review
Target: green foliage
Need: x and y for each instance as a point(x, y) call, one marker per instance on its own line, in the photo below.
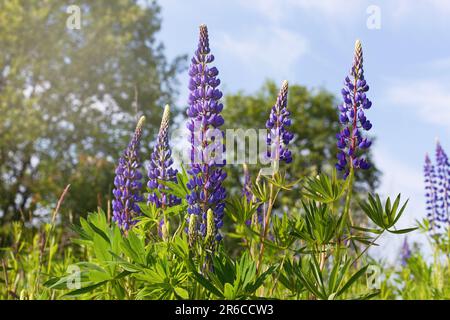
point(320, 225)
point(384, 217)
point(68, 98)
point(233, 280)
point(314, 124)
point(322, 188)
point(420, 278)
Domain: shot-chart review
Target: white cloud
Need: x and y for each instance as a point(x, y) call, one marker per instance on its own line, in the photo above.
point(329, 7)
point(430, 99)
point(414, 11)
point(276, 10)
point(442, 5)
point(272, 49)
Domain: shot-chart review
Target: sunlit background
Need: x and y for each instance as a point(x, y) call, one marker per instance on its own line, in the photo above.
point(77, 92)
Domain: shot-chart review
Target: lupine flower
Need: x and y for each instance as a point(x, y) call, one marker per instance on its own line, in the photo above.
point(350, 140)
point(160, 167)
point(431, 193)
point(247, 188)
point(207, 175)
point(248, 194)
point(442, 184)
point(405, 252)
point(278, 136)
point(127, 191)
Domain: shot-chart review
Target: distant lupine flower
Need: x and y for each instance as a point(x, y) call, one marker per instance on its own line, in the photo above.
point(160, 167)
point(205, 185)
point(127, 192)
point(247, 188)
point(442, 184)
point(405, 252)
point(248, 194)
point(350, 140)
point(279, 137)
point(431, 193)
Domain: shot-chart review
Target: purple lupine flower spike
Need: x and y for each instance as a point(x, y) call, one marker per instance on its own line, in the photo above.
point(442, 184)
point(278, 137)
point(207, 148)
point(431, 193)
point(127, 191)
point(405, 252)
point(350, 140)
point(160, 167)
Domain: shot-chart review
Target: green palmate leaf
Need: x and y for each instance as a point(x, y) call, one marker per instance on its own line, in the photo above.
point(385, 216)
point(228, 292)
point(133, 247)
point(182, 293)
point(171, 211)
point(325, 189)
point(402, 231)
point(279, 181)
point(84, 290)
point(353, 279)
point(206, 284)
point(319, 226)
point(99, 232)
point(368, 296)
point(149, 210)
point(371, 230)
point(240, 209)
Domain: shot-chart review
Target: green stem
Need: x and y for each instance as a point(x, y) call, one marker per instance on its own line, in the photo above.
point(266, 229)
point(367, 248)
point(347, 215)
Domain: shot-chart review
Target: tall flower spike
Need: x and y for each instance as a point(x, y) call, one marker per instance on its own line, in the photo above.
point(431, 193)
point(442, 184)
point(206, 173)
point(350, 140)
point(127, 191)
point(278, 136)
point(160, 167)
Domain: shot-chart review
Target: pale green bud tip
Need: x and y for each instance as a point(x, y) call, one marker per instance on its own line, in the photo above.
point(192, 222)
point(284, 90)
point(166, 117)
point(358, 47)
point(210, 224)
point(140, 123)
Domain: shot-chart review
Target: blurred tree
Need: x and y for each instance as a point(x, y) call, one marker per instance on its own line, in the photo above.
point(69, 98)
point(314, 124)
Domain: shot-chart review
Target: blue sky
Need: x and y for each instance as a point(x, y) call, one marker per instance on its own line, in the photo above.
point(310, 42)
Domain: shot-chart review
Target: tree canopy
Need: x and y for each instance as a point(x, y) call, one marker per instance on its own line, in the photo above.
point(314, 124)
point(69, 98)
